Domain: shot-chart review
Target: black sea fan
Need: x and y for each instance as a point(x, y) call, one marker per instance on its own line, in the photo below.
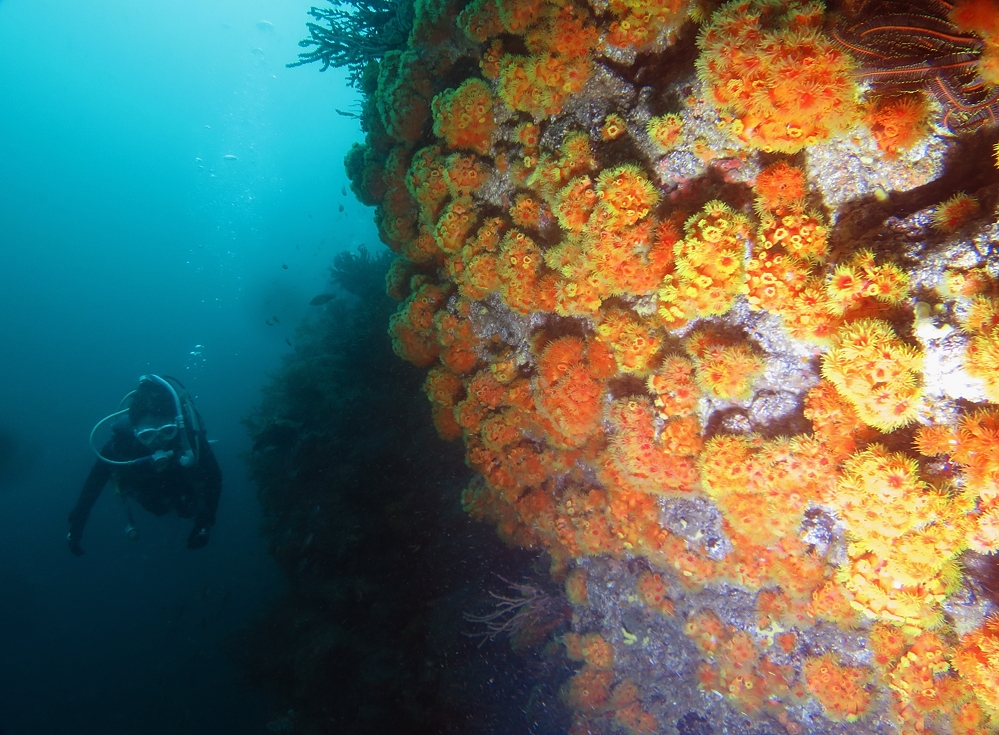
point(355, 32)
point(361, 273)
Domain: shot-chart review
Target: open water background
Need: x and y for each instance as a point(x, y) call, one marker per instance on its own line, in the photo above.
point(129, 243)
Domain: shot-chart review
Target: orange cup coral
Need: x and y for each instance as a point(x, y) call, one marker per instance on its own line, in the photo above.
point(977, 660)
point(768, 63)
point(625, 195)
point(877, 372)
point(952, 214)
point(898, 122)
point(464, 116)
point(710, 267)
point(839, 688)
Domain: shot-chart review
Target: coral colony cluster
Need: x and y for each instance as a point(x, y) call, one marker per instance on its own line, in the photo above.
point(650, 255)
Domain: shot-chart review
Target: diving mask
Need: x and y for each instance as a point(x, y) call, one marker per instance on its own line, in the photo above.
point(149, 436)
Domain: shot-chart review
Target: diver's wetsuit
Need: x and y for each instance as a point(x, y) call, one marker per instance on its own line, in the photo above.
point(193, 492)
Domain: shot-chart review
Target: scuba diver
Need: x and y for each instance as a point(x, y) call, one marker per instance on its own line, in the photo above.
point(158, 455)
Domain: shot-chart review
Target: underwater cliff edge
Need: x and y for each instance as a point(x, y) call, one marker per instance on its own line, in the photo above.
point(708, 295)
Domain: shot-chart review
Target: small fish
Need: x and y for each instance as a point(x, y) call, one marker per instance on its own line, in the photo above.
point(343, 190)
point(322, 299)
point(284, 266)
point(208, 127)
point(340, 208)
point(276, 320)
point(229, 157)
point(310, 216)
point(288, 342)
point(269, 323)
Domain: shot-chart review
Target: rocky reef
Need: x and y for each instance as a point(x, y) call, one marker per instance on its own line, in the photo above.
point(361, 500)
point(708, 295)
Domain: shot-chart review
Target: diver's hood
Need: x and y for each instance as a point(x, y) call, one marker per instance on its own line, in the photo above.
point(190, 428)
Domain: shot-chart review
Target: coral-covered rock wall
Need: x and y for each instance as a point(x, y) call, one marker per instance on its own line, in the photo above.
point(709, 294)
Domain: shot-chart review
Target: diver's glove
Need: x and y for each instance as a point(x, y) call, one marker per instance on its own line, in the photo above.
point(199, 537)
point(73, 539)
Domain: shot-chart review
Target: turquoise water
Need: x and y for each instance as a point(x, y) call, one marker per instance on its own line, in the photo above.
point(167, 189)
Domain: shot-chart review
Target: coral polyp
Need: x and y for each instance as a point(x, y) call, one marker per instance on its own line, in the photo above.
point(952, 214)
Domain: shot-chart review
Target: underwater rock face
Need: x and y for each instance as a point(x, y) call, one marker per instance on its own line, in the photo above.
point(693, 724)
point(709, 295)
point(385, 574)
